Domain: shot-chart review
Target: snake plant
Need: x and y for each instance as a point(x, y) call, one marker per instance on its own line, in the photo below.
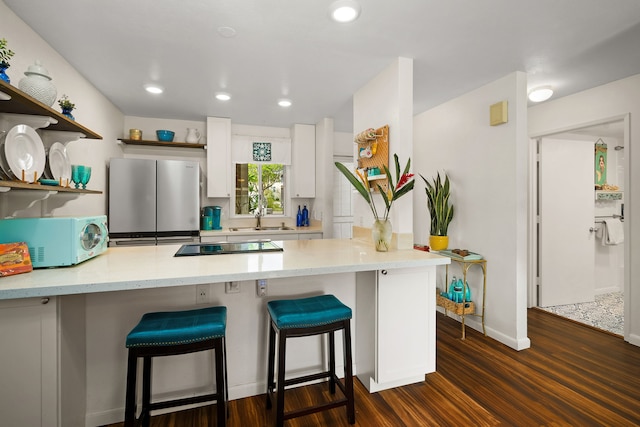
point(440, 210)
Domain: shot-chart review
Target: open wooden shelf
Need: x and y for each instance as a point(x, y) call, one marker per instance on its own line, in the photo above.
point(161, 143)
point(18, 185)
point(21, 103)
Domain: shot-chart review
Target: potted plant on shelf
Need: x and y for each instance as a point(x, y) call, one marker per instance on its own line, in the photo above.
point(5, 56)
point(440, 211)
point(67, 106)
point(381, 230)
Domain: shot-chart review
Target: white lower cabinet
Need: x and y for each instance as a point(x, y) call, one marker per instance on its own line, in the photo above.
point(28, 362)
point(37, 352)
point(399, 350)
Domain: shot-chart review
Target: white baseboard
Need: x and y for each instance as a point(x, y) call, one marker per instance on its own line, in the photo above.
point(474, 322)
point(634, 340)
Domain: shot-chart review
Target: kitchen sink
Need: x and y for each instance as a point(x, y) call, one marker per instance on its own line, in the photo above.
point(260, 228)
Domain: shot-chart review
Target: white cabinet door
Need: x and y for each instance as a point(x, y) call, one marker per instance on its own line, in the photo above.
point(303, 161)
point(28, 363)
point(395, 321)
point(218, 157)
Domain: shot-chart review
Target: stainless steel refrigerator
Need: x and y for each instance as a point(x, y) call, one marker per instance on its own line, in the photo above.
point(153, 202)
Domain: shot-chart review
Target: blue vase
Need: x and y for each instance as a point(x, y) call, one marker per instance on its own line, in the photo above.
point(67, 112)
point(3, 75)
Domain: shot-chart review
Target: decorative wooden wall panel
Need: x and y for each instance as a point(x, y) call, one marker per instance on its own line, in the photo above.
point(379, 145)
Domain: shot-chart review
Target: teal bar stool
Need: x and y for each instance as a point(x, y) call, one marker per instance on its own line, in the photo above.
point(304, 317)
point(169, 334)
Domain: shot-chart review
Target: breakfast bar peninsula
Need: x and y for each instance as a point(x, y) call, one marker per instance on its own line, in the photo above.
point(84, 312)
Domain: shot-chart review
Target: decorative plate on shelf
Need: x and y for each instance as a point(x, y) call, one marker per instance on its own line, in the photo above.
point(25, 152)
point(59, 163)
point(5, 170)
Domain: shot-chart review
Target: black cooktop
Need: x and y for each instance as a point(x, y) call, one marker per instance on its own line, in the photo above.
point(195, 249)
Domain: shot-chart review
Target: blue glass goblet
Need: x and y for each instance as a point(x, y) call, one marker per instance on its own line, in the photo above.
point(85, 176)
point(75, 174)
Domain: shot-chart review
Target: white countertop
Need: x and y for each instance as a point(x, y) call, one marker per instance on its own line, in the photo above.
point(126, 268)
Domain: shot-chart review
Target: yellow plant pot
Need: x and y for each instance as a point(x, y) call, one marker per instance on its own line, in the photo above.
point(438, 243)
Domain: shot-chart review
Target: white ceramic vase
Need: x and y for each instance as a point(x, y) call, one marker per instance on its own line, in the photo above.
point(37, 84)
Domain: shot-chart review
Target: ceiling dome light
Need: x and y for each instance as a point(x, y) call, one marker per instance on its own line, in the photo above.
point(540, 94)
point(223, 96)
point(153, 88)
point(344, 11)
point(284, 102)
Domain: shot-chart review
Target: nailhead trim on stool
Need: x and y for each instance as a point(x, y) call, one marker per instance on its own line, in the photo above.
point(303, 317)
point(172, 333)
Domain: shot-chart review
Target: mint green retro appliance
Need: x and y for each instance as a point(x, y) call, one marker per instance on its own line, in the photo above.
point(58, 241)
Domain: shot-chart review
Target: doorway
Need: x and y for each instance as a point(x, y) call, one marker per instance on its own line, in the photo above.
point(606, 283)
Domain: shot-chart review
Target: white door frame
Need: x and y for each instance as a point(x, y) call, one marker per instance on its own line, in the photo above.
point(532, 269)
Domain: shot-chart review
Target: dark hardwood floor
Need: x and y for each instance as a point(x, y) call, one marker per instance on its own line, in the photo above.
point(572, 375)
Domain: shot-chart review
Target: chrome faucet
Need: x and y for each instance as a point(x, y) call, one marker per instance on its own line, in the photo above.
point(258, 215)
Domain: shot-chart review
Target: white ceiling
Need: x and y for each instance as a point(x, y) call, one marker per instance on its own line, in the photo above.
point(290, 49)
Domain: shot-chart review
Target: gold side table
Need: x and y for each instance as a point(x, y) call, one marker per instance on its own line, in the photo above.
point(465, 265)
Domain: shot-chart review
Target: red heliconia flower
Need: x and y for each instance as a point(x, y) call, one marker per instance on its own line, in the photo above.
point(403, 180)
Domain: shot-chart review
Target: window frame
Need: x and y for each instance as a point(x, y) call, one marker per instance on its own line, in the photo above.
point(286, 199)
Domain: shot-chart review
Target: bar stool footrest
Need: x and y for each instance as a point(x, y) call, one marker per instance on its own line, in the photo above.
point(183, 402)
point(313, 409)
point(307, 378)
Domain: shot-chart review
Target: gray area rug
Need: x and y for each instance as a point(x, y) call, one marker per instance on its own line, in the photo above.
point(606, 312)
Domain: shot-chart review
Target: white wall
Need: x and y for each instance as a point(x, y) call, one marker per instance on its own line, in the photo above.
point(343, 144)
point(488, 169)
point(93, 110)
point(388, 100)
point(615, 99)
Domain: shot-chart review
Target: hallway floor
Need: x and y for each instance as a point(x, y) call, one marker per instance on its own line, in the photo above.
point(606, 312)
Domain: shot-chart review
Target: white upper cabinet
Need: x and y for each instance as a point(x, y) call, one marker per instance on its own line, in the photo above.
point(303, 161)
point(219, 165)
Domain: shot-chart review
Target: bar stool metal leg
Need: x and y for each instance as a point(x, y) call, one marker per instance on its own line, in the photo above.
point(282, 348)
point(348, 373)
point(271, 364)
point(130, 403)
point(332, 363)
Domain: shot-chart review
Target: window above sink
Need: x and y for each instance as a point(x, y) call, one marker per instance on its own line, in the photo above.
point(259, 188)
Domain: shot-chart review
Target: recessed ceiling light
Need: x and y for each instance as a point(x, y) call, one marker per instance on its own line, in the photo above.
point(223, 96)
point(344, 10)
point(284, 102)
point(153, 88)
point(540, 94)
